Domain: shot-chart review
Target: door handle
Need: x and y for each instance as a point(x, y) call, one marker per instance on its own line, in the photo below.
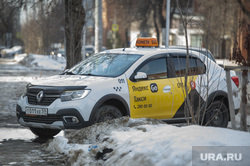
point(167, 89)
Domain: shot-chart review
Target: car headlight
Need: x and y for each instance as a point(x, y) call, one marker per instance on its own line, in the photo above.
point(74, 95)
point(26, 90)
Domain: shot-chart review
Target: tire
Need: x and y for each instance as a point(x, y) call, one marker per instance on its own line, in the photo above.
point(217, 115)
point(105, 113)
point(44, 133)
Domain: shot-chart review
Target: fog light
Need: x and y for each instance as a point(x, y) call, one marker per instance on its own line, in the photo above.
point(71, 119)
point(75, 120)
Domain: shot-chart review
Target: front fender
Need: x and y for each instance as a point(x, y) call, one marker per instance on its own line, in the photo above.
point(111, 99)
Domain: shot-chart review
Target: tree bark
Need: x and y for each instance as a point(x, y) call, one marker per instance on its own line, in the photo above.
point(244, 9)
point(243, 117)
point(74, 21)
point(155, 23)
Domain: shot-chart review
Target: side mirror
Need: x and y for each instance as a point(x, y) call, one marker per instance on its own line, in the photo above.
point(140, 76)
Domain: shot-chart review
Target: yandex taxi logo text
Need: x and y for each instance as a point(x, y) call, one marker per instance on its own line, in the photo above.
point(140, 88)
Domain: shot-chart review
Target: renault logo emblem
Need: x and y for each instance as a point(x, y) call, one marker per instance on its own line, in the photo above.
point(39, 96)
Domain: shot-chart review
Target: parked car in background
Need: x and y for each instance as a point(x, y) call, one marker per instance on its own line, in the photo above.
point(89, 50)
point(61, 53)
point(10, 52)
point(1, 48)
point(103, 48)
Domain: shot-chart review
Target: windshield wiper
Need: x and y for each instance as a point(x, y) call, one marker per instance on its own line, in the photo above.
point(69, 73)
point(88, 74)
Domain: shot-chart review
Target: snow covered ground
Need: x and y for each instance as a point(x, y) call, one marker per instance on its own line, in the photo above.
point(127, 141)
point(41, 62)
point(14, 77)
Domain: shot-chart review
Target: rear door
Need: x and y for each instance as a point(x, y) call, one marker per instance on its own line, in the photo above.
point(178, 70)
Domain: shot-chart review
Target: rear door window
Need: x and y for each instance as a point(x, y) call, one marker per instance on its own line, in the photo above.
point(195, 66)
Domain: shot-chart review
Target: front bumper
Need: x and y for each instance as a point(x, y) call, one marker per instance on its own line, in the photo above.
point(60, 120)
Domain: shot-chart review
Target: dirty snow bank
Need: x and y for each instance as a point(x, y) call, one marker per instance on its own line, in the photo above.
point(44, 62)
point(226, 62)
point(127, 141)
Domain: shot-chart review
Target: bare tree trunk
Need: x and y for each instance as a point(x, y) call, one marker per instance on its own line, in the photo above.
point(186, 78)
point(243, 116)
point(184, 23)
point(223, 42)
point(155, 23)
point(223, 48)
point(74, 21)
point(246, 62)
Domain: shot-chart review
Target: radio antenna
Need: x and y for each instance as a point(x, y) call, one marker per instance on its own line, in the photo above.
point(132, 40)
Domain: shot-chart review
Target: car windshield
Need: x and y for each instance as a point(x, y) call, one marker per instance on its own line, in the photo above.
point(105, 64)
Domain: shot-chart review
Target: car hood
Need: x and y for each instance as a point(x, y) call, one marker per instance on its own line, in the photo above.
point(69, 80)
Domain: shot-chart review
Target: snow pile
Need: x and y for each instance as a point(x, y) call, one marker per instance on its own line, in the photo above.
point(226, 62)
point(44, 62)
point(127, 141)
point(19, 57)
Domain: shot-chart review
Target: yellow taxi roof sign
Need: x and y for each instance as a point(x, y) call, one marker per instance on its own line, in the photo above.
point(146, 42)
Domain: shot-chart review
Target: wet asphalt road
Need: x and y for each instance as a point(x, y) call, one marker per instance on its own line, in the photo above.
point(18, 146)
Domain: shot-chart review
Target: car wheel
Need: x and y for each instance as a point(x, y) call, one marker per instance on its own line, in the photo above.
point(106, 112)
point(44, 133)
point(217, 115)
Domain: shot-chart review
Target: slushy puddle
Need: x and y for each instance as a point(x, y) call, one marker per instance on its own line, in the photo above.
point(17, 133)
point(12, 133)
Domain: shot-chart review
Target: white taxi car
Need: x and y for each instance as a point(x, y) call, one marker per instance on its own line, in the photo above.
point(142, 82)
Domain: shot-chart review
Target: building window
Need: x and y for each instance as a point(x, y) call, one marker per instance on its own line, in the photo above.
point(196, 40)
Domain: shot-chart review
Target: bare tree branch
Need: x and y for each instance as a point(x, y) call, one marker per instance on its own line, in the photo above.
point(243, 8)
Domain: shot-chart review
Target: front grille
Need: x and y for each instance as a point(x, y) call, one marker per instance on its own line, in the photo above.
point(42, 119)
point(48, 97)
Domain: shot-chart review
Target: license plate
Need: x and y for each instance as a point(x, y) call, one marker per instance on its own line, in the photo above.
point(36, 111)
